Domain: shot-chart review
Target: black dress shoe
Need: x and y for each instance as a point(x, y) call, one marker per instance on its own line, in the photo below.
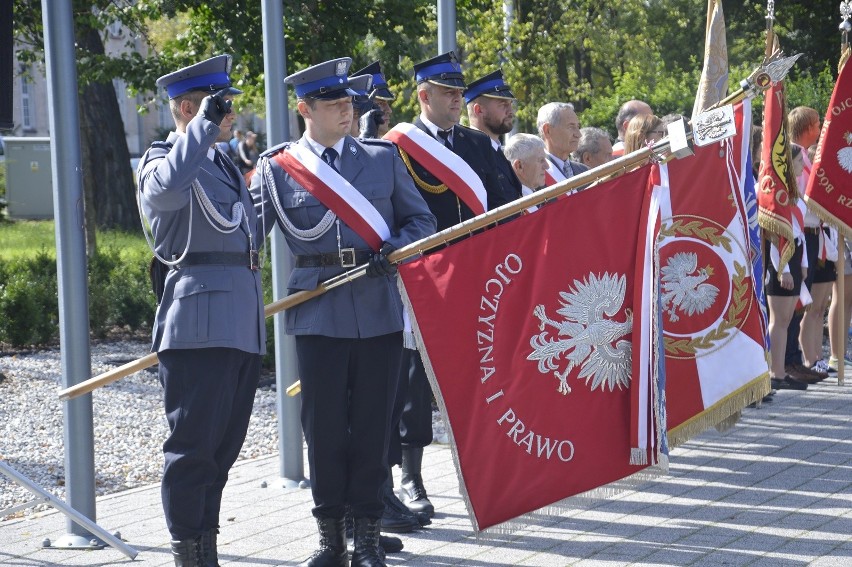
point(396, 522)
point(391, 502)
point(390, 544)
point(788, 383)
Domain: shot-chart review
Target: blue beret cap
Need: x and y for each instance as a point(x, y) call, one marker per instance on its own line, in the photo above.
point(326, 81)
point(491, 85)
point(210, 76)
point(444, 69)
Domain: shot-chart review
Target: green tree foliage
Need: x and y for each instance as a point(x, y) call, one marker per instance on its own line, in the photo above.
point(599, 54)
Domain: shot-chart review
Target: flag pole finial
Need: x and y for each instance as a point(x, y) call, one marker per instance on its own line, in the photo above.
point(845, 26)
point(770, 14)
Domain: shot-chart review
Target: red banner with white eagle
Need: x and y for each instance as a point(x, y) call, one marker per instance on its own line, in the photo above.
point(829, 191)
point(713, 336)
point(528, 341)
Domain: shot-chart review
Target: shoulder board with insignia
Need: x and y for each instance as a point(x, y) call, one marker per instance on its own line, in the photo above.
point(375, 141)
point(275, 149)
point(158, 145)
point(162, 145)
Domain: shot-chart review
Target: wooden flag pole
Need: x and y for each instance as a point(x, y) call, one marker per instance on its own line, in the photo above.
point(770, 69)
point(843, 331)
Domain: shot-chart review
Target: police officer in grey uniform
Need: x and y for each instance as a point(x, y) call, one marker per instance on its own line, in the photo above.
point(209, 331)
point(348, 340)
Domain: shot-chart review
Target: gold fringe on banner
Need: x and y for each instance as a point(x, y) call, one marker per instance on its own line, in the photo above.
point(776, 225)
point(752, 392)
point(844, 57)
point(439, 398)
point(827, 217)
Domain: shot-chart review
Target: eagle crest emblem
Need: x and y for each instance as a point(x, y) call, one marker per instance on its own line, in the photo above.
point(589, 335)
point(684, 286)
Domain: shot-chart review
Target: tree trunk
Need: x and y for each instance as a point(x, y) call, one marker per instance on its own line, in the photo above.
point(107, 177)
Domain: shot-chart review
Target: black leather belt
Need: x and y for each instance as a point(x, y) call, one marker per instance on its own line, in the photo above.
point(247, 259)
point(346, 258)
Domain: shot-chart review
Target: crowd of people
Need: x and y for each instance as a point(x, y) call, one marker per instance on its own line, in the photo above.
point(350, 192)
point(806, 287)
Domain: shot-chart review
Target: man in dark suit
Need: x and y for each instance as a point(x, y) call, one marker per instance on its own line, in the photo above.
point(491, 110)
point(559, 127)
point(439, 91)
point(209, 331)
point(349, 339)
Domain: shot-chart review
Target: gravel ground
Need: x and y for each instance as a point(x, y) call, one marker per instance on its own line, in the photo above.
point(129, 424)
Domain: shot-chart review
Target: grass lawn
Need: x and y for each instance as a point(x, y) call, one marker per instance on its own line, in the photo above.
point(28, 238)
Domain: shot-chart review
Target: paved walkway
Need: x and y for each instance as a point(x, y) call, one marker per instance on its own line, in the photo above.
point(775, 490)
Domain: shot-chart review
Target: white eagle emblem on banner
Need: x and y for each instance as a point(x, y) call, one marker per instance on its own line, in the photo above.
point(588, 336)
point(684, 287)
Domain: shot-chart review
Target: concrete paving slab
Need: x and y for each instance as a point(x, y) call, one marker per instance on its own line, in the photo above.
point(775, 490)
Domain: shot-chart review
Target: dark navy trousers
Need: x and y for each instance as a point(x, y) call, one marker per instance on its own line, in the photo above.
point(415, 426)
point(348, 391)
point(209, 394)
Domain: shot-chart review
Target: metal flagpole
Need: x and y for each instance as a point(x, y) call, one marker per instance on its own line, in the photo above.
point(78, 431)
point(291, 465)
point(772, 69)
point(446, 26)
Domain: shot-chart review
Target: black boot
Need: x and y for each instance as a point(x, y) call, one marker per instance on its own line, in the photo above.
point(388, 544)
point(366, 553)
point(413, 492)
point(332, 549)
point(208, 547)
point(188, 552)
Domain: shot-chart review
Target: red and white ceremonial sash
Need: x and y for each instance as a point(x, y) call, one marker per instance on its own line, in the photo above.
point(333, 191)
point(441, 162)
point(553, 176)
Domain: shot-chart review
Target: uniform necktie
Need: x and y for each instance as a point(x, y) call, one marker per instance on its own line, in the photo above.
point(329, 155)
point(219, 161)
point(445, 135)
point(567, 170)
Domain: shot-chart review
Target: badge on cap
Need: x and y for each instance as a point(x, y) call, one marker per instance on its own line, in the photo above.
point(341, 68)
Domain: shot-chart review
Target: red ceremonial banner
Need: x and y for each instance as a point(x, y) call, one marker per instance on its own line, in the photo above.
point(715, 360)
point(829, 191)
point(526, 332)
point(777, 191)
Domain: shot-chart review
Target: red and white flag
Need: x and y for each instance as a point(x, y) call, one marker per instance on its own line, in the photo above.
point(529, 345)
point(829, 190)
point(715, 360)
point(777, 192)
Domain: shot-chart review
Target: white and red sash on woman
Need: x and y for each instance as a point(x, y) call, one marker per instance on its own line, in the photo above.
point(443, 163)
point(335, 192)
